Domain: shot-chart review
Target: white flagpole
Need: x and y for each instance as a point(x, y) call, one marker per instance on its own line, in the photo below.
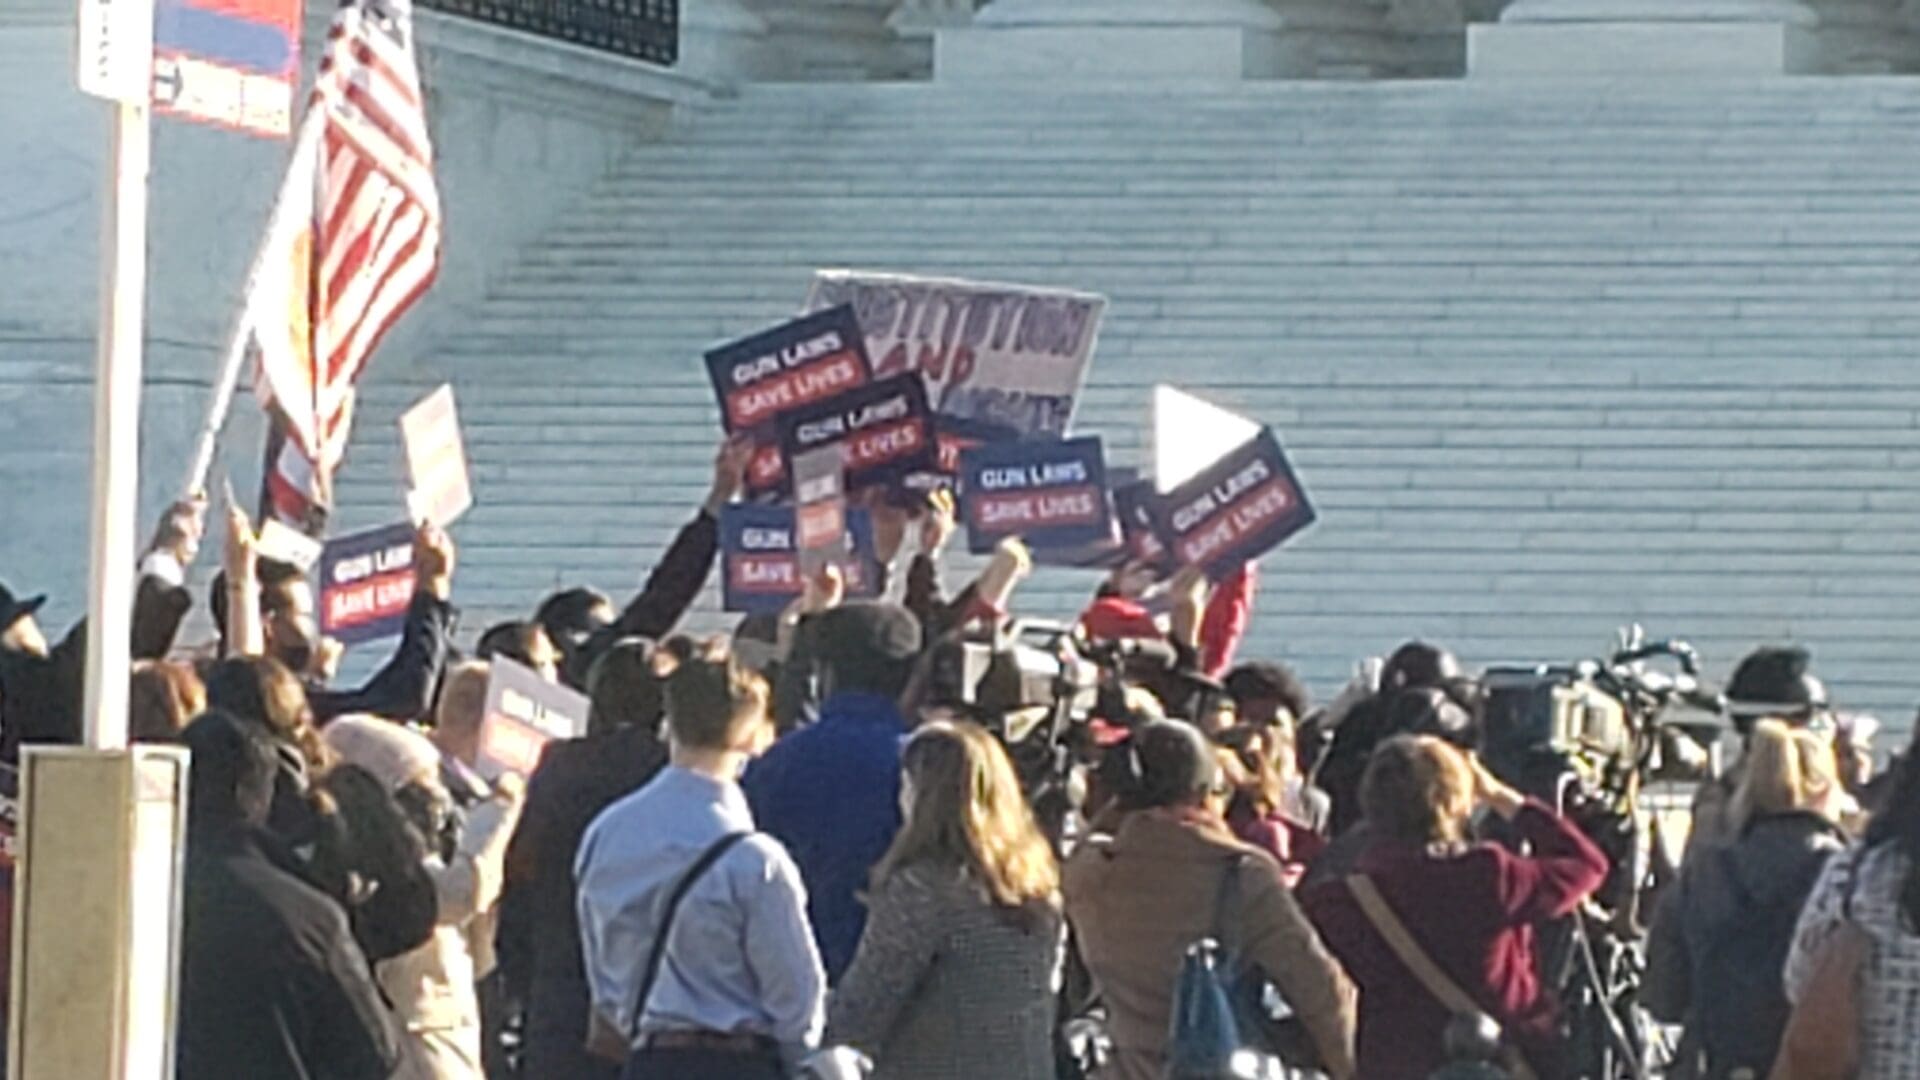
point(299, 170)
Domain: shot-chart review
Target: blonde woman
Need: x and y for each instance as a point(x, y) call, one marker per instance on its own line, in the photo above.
point(1721, 936)
point(955, 974)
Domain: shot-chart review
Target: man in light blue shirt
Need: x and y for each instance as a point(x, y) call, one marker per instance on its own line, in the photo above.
point(739, 992)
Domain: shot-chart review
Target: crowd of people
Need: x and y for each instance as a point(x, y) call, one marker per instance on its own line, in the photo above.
point(830, 842)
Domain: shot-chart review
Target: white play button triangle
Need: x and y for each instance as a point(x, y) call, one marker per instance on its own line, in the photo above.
point(1190, 434)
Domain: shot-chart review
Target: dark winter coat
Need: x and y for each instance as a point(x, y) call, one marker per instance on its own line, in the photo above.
point(272, 984)
point(1725, 929)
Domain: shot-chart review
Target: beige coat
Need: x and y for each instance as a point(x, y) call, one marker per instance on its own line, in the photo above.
point(432, 987)
point(1139, 899)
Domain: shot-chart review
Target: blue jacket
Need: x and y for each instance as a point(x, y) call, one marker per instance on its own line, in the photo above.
point(830, 792)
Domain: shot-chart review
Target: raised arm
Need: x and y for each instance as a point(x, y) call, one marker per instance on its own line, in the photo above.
point(1564, 868)
point(403, 689)
point(682, 572)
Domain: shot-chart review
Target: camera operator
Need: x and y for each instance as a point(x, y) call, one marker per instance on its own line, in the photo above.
point(1414, 666)
point(1459, 916)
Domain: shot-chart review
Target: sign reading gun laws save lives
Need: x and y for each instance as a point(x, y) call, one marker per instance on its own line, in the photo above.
point(1051, 493)
point(524, 712)
point(760, 560)
point(366, 584)
point(796, 364)
point(883, 430)
point(1244, 505)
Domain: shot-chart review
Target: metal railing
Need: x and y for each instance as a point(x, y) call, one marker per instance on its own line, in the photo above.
point(643, 29)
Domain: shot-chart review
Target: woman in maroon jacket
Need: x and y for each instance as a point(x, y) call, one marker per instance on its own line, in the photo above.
point(1471, 908)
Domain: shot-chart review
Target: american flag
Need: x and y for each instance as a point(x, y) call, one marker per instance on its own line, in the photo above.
point(359, 248)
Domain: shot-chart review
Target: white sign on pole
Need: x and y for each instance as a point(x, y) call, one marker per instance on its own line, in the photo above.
point(116, 50)
point(1190, 434)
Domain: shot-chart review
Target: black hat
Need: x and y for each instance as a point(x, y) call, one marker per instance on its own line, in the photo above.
point(1775, 682)
point(865, 633)
point(13, 609)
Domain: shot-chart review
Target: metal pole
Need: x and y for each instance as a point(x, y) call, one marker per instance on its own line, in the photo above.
point(272, 246)
point(116, 427)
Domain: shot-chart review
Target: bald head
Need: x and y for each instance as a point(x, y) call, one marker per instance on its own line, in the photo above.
point(463, 710)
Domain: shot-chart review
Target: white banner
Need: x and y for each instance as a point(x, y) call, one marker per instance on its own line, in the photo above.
point(1006, 357)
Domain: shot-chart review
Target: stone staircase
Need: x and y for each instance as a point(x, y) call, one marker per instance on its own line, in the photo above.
point(1550, 357)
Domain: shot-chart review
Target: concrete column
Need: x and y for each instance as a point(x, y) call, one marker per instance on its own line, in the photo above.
point(917, 21)
point(1130, 40)
point(1875, 37)
point(722, 41)
point(1647, 37)
point(836, 40)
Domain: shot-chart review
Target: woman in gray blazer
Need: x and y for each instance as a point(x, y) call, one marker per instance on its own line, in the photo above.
point(956, 973)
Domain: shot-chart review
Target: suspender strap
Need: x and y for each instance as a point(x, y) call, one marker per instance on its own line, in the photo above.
point(658, 954)
point(1415, 959)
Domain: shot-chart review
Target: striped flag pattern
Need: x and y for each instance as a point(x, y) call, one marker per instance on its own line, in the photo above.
point(362, 247)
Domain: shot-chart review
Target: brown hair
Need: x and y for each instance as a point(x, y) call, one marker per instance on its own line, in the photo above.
point(969, 813)
point(162, 700)
point(711, 702)
point(1418, 789)
point(266, 692)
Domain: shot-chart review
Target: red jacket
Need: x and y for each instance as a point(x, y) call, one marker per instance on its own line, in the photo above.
point(1222, 626)
point(1474, 913)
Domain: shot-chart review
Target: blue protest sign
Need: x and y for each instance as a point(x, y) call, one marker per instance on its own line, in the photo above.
point(1051, 493)
point(1241, 507)
point(793, 365)
point(760, 558)
point(797, 364)
point(366, 584)
point(884, 431)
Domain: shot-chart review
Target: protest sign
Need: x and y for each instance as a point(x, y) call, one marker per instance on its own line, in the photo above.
point(820, 508)
point(366, 584)
point(523, 713)
point(1134, 505)
point(791, 366)
point(796, 364)
point(1002, 361)
point(883, 430)
point(760, 558)
point(439, 489)
point(1191, 433)
point(1244, 505)
point(1051, 493)
point(284, 543)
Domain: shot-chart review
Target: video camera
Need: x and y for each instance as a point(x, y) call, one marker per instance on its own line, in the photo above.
point(1588, 738)
point(1035, 684)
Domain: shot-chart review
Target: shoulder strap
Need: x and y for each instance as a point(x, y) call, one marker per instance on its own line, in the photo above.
point(1436, 981)
point(658, 953)
point(1401, 941)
